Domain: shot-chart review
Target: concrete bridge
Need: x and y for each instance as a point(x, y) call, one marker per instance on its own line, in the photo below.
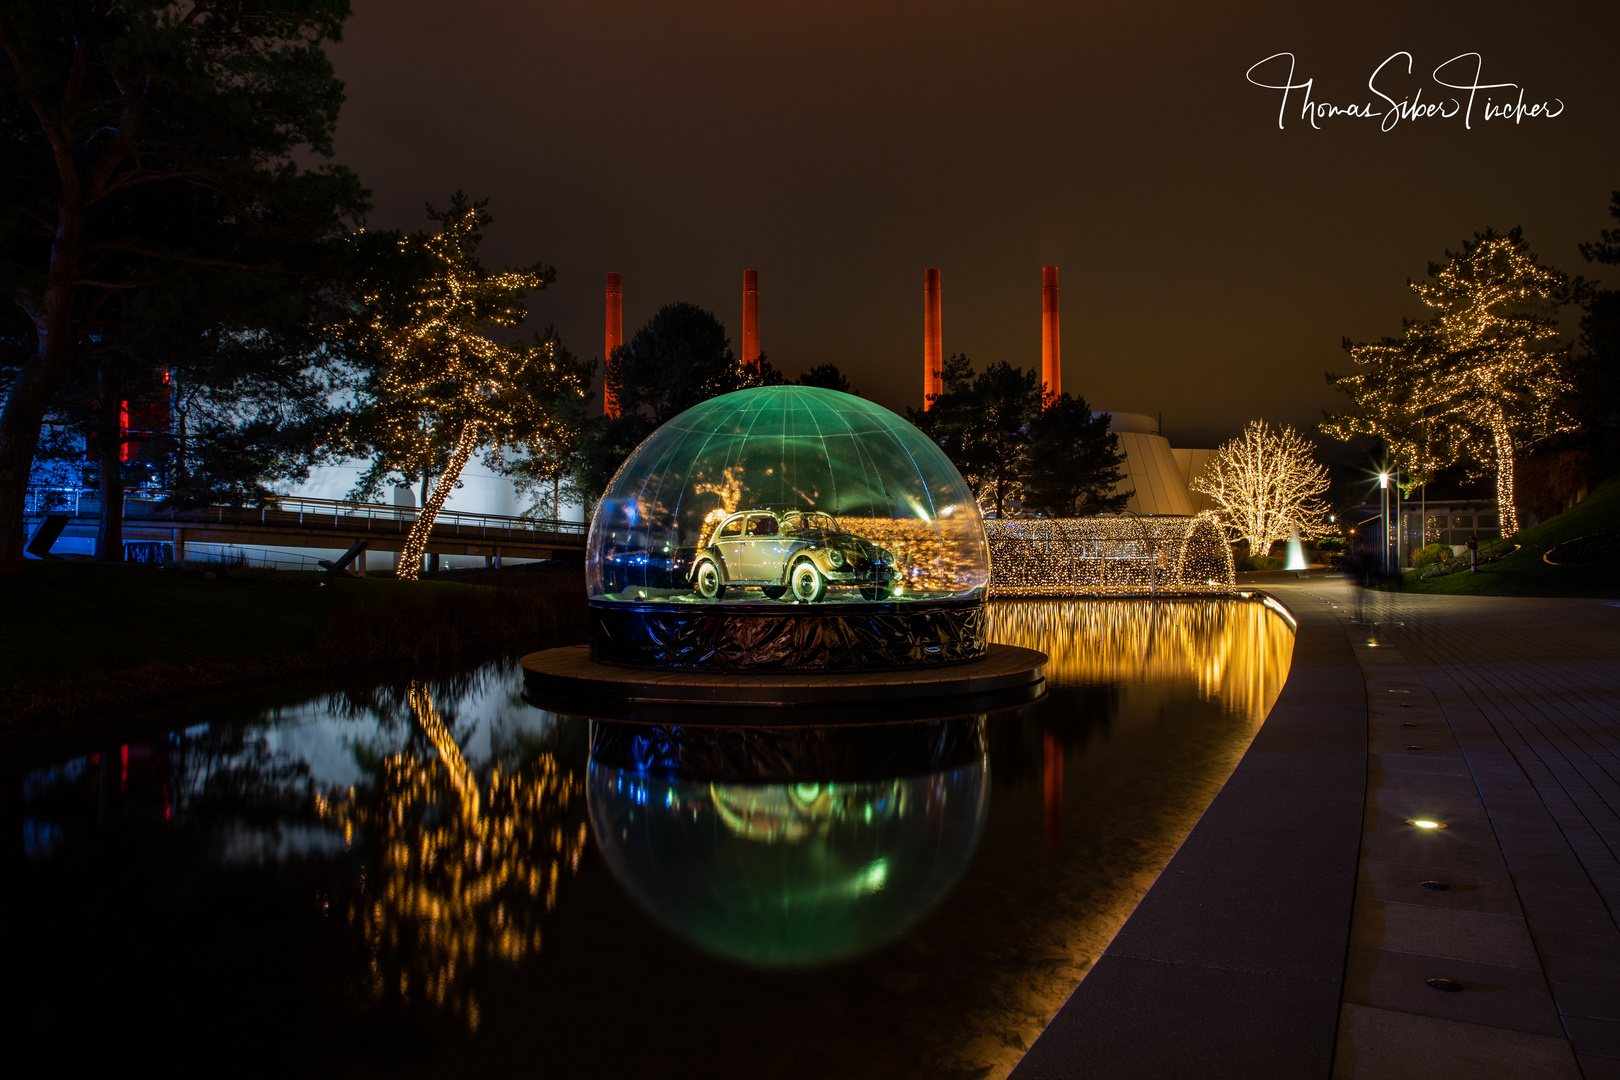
point(333, 525)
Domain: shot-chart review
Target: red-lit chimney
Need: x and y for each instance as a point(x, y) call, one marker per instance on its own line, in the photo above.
point(750, 356)
point(613, 339)
point(933, 339)
point(1051, 354)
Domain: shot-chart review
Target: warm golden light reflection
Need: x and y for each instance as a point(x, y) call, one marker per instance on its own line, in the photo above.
point(1423, 824)
point(467, 868)
point(1232, 650)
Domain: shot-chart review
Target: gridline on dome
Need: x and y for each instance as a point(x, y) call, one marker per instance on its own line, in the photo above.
point(787, 494)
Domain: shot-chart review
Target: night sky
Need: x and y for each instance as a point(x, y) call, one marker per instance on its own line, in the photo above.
point(1211, 262)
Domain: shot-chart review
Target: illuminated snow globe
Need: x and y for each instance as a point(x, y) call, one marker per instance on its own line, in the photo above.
point(787, 528)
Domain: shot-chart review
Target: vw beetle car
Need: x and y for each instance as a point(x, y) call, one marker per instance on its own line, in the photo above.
point(800, 552)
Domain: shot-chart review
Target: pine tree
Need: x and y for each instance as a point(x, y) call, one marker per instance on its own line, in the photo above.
point(1073, 462)
point(1482, 378)
point(152, 157)
point(439, 388)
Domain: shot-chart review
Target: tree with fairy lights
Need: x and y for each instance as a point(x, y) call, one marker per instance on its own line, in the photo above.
point(1395, 383)
point(1480, 379)
point(1266, 484)
point(436, 387)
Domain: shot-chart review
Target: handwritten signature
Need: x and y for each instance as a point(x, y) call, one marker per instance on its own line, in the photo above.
point(1412, 107)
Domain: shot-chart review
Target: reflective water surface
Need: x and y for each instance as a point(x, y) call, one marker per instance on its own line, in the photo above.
point(421, 874)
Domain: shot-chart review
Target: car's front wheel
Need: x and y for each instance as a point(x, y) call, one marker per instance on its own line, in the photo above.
point(807, 582)
point(708, 581)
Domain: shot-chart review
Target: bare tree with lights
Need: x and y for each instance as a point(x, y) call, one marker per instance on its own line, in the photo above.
point(1267, 483)
point(1481, 379)
point(439, 388)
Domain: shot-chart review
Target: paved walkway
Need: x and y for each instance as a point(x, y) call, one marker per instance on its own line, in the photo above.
point(1294, 935)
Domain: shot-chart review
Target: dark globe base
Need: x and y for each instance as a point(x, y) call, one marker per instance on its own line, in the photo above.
point(797, 637)
point(783, 755)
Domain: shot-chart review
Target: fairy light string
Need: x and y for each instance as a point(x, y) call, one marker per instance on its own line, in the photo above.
point(442, 382)
point(1478, 381)
point(1267, 484)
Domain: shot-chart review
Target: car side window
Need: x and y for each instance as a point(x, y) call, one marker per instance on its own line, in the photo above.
point(762, 525)
point(732, 529)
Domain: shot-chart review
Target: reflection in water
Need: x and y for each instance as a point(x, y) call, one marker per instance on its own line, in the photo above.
point(1233, 652)
point(819, 866)
point(466, 869)
point(357, 884)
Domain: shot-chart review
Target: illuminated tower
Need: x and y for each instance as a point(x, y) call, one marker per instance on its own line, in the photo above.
point(614, 337)
point(1051, 354)
point(933, 339)
point(750, 342)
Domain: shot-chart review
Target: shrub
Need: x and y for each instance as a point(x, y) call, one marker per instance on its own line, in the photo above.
point(1434, 553)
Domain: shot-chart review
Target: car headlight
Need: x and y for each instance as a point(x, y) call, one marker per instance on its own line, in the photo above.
point(835, 557)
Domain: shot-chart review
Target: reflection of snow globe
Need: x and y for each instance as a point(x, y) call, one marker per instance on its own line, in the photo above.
point(787, 527)
point(776, 848)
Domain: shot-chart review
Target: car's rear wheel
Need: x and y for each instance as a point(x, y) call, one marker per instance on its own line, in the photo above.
point(708, 581)
point(874, 592)
point(807, 582)
point(774, 592)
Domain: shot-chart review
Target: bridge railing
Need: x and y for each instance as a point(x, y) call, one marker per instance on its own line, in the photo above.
point(300, 511)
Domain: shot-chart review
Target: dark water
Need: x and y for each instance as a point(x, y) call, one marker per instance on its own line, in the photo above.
point(424, 875)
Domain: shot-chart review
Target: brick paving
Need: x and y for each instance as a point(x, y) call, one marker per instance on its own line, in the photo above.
point(1528, 692)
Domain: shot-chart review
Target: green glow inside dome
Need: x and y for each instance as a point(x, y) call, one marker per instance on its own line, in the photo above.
point(788, 875)
point(787, 493)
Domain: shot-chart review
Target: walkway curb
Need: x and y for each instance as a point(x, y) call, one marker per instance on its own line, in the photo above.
point(1233, 963)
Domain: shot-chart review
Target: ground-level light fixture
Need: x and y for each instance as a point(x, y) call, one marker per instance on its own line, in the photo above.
point(1425, 823)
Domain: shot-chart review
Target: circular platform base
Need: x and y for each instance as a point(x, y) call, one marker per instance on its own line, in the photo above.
point(570, 672)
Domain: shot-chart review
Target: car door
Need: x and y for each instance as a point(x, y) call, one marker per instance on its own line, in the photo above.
point(765, 548)
point(732, 546)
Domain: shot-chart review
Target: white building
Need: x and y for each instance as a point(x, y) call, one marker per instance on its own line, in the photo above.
point(1160, 475)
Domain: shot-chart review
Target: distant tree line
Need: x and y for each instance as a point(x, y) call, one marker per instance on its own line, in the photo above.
point(1020, 449)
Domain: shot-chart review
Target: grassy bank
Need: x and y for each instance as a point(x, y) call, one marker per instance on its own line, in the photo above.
point(87, 637)
point(1526, 573)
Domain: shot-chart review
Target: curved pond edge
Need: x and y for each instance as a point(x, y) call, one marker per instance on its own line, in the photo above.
point(1233, 963)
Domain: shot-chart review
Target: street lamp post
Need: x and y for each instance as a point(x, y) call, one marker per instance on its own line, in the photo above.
point(1383, 515)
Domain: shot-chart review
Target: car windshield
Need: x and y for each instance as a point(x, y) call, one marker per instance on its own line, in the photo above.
point(808, 523)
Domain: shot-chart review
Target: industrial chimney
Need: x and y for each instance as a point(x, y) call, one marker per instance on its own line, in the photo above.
point(1051, 354)
point(933, 339)
point(613, 338)
point(750, 342)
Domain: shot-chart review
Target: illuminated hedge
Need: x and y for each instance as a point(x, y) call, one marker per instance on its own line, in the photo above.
point(1109, 556)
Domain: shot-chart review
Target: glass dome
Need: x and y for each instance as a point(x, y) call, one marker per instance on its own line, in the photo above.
point(787, 494)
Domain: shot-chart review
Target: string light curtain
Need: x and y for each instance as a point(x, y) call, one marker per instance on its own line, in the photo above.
point(1110, 556)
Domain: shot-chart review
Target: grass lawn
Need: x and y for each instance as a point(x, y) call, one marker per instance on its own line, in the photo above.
point(1526, 573)
point(85, 636)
